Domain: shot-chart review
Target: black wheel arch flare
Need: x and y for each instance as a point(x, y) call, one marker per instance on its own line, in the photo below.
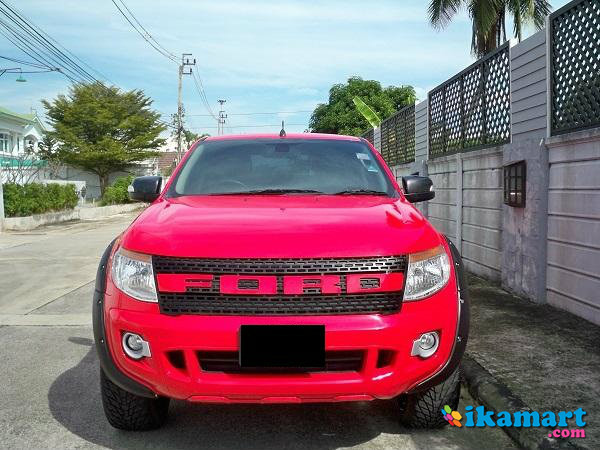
point(462, 330)
point(106, 362)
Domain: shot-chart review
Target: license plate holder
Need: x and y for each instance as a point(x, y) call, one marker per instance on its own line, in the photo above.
point(298, 347)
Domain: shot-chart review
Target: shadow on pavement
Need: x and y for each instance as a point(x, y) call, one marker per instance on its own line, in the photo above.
point(74, 401)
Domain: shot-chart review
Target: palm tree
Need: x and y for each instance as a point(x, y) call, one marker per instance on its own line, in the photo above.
point(489, 18)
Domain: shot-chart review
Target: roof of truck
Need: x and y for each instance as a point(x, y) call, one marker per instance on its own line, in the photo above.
point(339, 137)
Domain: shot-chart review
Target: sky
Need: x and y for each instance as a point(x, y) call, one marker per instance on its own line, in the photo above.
point(260, 56)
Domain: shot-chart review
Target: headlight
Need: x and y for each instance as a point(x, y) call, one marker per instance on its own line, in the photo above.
point(132, 273)
point(427, 273)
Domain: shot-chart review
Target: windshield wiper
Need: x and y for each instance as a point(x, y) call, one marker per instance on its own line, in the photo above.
point(361, 192)
point(271, 191)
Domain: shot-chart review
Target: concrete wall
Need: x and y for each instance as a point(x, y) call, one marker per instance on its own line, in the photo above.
point(442, 209)
point(92, 180)
point(573, 268)
point(481, 215)
point(87, 213)
point(421, 132)
point(468, 205)
point(548, 250)
point(528, 88)
point(524, 236)
point(377, 138)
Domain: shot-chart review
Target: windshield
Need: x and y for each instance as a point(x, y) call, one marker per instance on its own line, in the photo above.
point(281, 166)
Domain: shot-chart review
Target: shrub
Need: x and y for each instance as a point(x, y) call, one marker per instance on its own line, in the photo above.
point(117, 193)
point(35, 198)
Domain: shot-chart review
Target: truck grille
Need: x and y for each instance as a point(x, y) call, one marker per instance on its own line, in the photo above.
point(277, 266)
point(227, 361)
point(193, 303)
point(210, 301)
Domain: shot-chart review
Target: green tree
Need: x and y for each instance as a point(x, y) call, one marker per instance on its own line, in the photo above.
point(489, 18)
point(188, 137)
point(102, 129)
point(340, 115)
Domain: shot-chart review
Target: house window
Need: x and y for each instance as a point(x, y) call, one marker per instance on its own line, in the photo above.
point(514, 184)
point(5, 143)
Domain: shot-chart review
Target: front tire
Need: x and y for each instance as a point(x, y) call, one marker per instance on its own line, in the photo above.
point(424, 409)
point(130, 412)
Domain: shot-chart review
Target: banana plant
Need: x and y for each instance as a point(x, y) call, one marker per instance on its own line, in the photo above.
point(367, 112)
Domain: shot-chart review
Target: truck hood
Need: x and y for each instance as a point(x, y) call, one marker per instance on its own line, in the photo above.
point(280, 226)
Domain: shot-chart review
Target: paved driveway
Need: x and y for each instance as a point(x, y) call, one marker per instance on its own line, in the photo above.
point(49, 394)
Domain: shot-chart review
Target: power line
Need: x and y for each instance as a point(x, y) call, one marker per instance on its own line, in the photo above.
point(100, 74)
point(28, 50)
point(29, 71)
point(153, 42)
point(26, 63)
point(256, 113)
point(35, 43)
point(172, 56)
point(278, 126)
point(202, 93)
point(147, 36)
point(51, 50)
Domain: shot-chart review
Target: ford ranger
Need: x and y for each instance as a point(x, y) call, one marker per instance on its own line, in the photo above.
point(280, 269)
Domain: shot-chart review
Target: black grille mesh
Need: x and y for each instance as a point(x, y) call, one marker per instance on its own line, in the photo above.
point(255, 305)
point(381, 264)
point(335, 361)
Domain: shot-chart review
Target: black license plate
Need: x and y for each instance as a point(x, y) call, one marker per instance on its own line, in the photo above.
point(282, 346)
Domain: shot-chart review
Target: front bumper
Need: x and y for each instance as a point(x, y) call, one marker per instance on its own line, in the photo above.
point(370, 334)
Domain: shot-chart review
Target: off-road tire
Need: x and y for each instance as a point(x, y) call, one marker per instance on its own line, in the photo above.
point(424, 409)
point(130, 412)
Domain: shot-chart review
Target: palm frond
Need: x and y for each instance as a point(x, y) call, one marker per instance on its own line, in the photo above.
point(441, 12)
point(488, 21)
point(541, 9)
point(518, 10)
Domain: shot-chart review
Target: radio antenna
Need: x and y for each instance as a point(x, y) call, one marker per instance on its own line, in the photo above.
point(282, 132)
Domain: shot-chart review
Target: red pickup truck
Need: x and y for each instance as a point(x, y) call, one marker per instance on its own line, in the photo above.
point(280, 269)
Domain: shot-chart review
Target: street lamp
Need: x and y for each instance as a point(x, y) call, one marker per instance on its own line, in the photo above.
point(20, 79)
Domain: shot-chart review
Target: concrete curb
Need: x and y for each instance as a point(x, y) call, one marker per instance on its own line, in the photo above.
point(496, 396)
point(29, 223)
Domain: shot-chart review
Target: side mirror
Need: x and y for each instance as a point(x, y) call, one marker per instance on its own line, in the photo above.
point(145, 189)
point(417, 189)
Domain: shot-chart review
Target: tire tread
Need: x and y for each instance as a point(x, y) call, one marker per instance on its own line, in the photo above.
point(127, 411)
point(423, 409)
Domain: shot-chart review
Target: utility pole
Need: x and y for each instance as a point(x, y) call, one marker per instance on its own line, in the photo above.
point(185, 61)
point(222, 117)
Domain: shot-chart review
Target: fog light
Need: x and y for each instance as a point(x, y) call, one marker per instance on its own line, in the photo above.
point(426, 345)
point(135, 346)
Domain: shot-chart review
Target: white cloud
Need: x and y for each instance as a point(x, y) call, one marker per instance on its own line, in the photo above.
point(260, 55)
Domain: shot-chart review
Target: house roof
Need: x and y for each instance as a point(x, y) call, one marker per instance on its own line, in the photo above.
point(28, 119)
point(166, 160)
